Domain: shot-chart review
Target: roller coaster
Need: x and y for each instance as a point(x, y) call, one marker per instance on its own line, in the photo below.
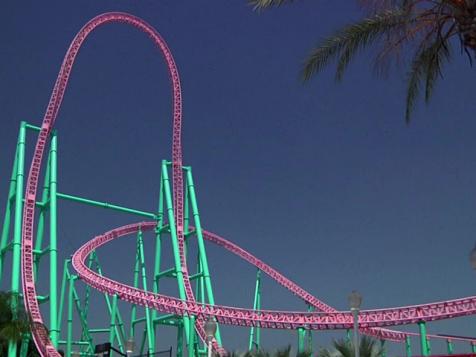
point(177, 217)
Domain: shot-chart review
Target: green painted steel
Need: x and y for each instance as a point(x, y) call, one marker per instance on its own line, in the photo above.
point(69, 338)
point(384, 349)
point(105, 205)
point(8, 211)
point(254, 340)
point(158, 249)
point(149, 324)
point(200, 242)
point(408, 346)
point(191, 337)
point(54, 331)
point(449, 346)
point(16, 245)
point(64, 280)
point(119, 328)
point(423, 339)
point(301, 340)
point(173, 233)
point(112, 330)
point(473, 347)
point(136, 285)
point(180, 340)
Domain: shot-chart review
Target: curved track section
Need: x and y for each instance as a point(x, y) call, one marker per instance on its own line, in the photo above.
point(40, 335)
point(264, 318)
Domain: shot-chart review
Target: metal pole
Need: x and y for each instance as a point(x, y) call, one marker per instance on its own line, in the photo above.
point(69, 339)
point(301, 338)
point(256, 307)
point(54, 331)
point(180, 340)
point(8, 210)
point(191, 337)
point(423, 338)
point(175, 246)
point(150, 334)
point(15, 283)
point(408, 346)
point(384, 350)
point(209, 347)
point(201, 244)
point(112, 330)
point(449, 345)
point(355, 312)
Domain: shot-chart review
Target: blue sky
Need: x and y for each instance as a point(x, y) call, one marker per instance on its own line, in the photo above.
point(323, 181)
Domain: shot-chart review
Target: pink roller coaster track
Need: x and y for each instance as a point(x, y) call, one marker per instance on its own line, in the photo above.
point(328, 318)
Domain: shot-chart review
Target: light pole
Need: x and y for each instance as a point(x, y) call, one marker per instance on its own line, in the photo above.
point(472, 257)
point(130, 345)
point(210, 330)
point(355, 300)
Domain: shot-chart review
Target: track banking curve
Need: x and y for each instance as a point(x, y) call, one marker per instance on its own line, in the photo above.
point(329, 318)
point(264, 318)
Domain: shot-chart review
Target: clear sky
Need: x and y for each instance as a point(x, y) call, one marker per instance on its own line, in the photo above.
point(323, 181)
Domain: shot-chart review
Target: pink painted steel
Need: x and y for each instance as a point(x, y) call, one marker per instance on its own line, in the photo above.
point(264, 318)
point(40, 337)
point(329, 319)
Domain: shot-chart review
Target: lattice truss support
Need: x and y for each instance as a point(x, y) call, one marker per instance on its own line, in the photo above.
point(66, 306)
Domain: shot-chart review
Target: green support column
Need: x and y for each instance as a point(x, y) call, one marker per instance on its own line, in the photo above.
point(201, 244)
point(158, 248)
point(473, 347)
point(423, 339)
point(382, 346)
point(450, 347)
point(24, 345)
point(309, 332)
point(8, 211)
point(173, 233)
point(255, 342)
point(63, 292)
point(54, 331)
point(136, 285)
point(408, 346)
point(69, 338)
point(150, 334)
point(112, 328)
point(301, 339)
point(119, 329)
point(15, 283)
point(191, 337)
point(180, 340)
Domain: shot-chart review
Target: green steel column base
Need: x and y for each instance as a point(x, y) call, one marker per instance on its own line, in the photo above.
point(425, 350)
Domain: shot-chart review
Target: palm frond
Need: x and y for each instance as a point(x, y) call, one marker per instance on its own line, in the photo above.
point(344, 347)
point(344, 44)
point(426, 67)
point(263, 4)
point(304, 354)
point(284, 352)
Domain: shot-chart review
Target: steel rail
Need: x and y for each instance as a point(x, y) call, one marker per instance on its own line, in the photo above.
point(264, 318)
point(40, 335)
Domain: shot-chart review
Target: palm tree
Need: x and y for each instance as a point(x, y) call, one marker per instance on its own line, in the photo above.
point(13, 325)
point(344, 348)
point(424, 30)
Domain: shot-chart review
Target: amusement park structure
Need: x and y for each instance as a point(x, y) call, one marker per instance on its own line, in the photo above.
point(177, 217)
